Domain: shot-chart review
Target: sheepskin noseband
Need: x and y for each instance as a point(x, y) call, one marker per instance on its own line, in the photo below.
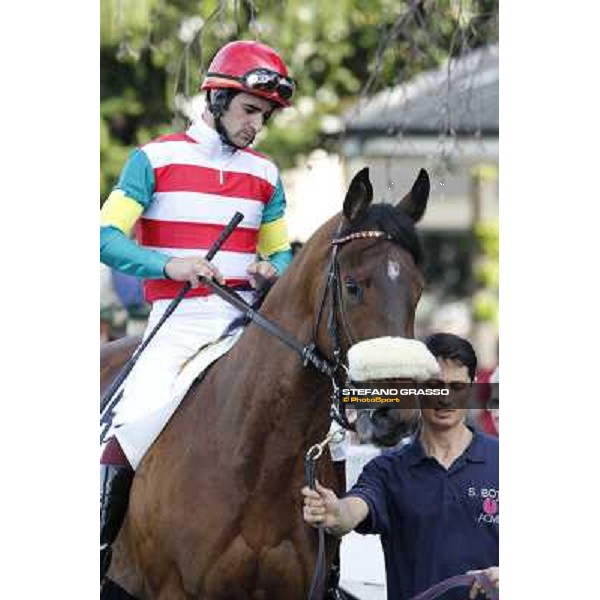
point(391, 358)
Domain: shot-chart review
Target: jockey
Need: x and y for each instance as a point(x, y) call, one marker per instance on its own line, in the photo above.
point(180, 191)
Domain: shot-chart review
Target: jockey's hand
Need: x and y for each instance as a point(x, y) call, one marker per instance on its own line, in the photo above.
point(191, 268)
point(492, 573)
point(261, 272)
point(321, 506)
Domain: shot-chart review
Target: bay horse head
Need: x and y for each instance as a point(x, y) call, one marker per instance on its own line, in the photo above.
point(377, 283)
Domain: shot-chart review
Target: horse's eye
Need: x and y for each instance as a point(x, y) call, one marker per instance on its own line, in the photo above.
point(353, 288)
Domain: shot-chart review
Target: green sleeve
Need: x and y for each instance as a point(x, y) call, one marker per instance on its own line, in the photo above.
point(275, 208)
point(137, 178)
point(281, 260)
point(121, 253)
point(116, 249)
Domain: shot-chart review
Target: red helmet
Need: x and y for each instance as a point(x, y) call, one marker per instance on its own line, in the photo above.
point(250, 67)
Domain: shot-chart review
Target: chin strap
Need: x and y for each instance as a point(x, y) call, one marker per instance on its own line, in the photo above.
point(224, 135)
point(217, 107)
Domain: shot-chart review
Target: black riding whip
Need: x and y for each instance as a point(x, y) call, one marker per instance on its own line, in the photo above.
point(116, 384)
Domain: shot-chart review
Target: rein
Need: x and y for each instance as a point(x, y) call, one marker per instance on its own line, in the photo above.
point(310, 353)
point(318, 583)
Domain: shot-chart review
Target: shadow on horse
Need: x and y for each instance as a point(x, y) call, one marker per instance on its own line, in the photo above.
point(215, 508)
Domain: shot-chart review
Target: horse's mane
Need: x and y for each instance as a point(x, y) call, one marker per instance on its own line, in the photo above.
point(393, 221)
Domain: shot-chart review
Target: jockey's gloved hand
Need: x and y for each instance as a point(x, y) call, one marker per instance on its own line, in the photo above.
point(192, 268)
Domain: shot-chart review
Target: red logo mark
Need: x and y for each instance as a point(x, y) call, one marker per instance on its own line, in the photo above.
point(490, 507)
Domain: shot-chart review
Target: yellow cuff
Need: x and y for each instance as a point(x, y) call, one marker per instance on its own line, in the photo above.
point(273, 237)
point(120, 211)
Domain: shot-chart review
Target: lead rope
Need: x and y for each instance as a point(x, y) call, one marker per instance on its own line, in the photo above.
point(318, 583)
point(435, 591)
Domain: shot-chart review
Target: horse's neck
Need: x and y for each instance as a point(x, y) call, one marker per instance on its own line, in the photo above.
point(285, 400)
point(297, 393)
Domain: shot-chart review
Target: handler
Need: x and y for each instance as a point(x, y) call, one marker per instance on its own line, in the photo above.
point(180, 191)
point(435, 501)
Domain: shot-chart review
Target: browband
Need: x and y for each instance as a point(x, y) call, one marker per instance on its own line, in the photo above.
point(361, 235)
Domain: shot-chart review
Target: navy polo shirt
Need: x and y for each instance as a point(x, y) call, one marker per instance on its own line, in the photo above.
point(434, 523)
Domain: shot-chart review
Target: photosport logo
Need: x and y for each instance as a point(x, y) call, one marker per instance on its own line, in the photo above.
point(388, 396)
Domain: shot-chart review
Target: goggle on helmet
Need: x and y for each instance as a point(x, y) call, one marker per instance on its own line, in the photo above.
point(251, 67)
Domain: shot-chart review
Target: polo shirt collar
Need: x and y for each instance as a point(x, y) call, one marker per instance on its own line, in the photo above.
point(475, 451)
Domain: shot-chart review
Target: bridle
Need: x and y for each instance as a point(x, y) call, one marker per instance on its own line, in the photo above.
point(338, 369)
point(333, 288)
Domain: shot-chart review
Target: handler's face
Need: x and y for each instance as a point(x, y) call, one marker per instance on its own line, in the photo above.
point(245, 117)
point(445, 412)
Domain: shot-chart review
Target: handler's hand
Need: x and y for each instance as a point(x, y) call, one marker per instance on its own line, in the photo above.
point(191, 268)
point(492, 573)
point(321, 506)
point(260, 273)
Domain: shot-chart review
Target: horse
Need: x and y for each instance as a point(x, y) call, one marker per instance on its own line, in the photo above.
point(215, 510)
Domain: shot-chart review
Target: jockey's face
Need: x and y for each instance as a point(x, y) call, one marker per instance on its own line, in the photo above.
point(445, 412)
point(245, 117)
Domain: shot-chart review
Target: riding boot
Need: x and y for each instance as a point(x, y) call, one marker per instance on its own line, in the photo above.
point(115, 483)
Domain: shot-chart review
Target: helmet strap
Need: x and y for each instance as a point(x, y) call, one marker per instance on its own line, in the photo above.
point(224, 135)
point(218, 102)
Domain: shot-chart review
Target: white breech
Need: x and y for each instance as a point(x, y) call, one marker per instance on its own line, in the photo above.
point(147, 402)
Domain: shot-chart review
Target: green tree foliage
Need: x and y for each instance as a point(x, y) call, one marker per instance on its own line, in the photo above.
point(485, 301)
point(153, 53)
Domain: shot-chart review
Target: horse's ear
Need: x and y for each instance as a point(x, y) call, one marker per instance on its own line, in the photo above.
point(359, 195)
point(415, 202)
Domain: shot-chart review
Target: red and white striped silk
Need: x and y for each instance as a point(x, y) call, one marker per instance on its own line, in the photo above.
point(199, 185)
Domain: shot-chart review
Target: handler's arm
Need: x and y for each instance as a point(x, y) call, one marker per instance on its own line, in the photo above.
point(339, 516)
